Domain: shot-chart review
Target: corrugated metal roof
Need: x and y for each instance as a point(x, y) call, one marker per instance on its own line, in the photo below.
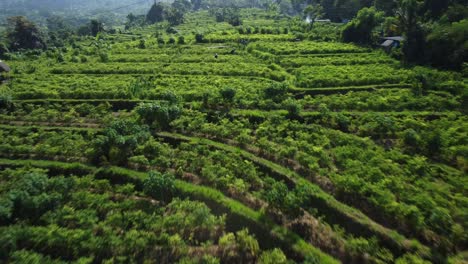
point(397, 38)
point(387, 43)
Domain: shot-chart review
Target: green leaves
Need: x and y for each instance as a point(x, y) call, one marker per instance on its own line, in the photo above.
point(228, 94)
point(360, 29)
point(118, 142)
point(30, 195)
point(158, 115)
point(160, 186)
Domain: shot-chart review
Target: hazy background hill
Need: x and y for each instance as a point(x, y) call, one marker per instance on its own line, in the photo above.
point(54, 5)
point(75, 12)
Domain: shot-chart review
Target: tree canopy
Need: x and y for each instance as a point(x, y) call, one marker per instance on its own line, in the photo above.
point(24, 34)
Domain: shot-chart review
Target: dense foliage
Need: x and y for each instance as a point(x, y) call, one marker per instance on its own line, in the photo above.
point(236, 135)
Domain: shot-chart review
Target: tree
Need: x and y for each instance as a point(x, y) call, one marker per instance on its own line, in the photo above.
point(434, 143)
point(434, 8)
point(247, 244)
point(345, 9)
point(59, 31)
point(313, 12)
point(441, 221)
point(230, 15)
point(96, 27)
point(297, 5)
point(360, 29)
point(385, 6)
point(199, 38)
point(23, 34)
point(158, 114)
point(196, 4)
point(228, 94)
point(275, 256)
point(276, 92)
point(407, 14)
point(142, 44)
point(293, 108)
point(31, 194)
point(118, 142)
point(276, 196)
point(183, 5)
point(134, 21)
point(447, 45)
point(138, 86)
point(3, 50)
point(233, 17)
point(174, 16)
point(156, 13)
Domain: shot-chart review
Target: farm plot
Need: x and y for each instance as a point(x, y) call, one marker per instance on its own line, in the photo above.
point(305, 47)
point(347, 75)
point(313, 147)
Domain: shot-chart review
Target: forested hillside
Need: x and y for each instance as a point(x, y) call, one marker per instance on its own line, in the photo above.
point(254, 132)
point(113, 12)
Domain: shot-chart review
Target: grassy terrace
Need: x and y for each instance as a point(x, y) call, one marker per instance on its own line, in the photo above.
point(342, 212)
point(329, 151)
point(300, 249)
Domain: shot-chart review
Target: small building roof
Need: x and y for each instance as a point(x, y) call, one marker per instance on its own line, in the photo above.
point(322, 20)
point(396, 38)
point(387, 43)
point(4, 67)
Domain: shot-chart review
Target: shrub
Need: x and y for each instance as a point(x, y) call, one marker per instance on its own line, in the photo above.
point(75, 59)
point(181, 40)
point(118, 142)
point(103, 57)
point(60, 58)
point(275, 256)
point(158, 114)
point(228, 94)
point(199, 38)
point(360, 29)
point(6, 100)
point(3, 50)
point(276, 92)
point(171, 30)
point(293, 108)
point(142, 44)
point(160, 186)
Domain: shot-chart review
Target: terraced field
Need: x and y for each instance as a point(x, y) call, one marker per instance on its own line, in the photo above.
point(310, 151)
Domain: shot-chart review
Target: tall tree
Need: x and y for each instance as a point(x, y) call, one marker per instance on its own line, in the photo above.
point(196, 4)
point(446, 45)
point(96, 27)
point(23, 34)
point(182, 5)
point(156, 13)
point(174, 16)
point(360, 29)
point(386, 6)
point(407, 14)
point(313, 12)
point(59, 30)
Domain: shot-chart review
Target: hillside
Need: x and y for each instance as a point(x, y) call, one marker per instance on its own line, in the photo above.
point(112, 12)
point(213, 143)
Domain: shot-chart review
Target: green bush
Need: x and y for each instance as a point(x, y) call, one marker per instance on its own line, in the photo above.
point(360, 29)
point(160, 186)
